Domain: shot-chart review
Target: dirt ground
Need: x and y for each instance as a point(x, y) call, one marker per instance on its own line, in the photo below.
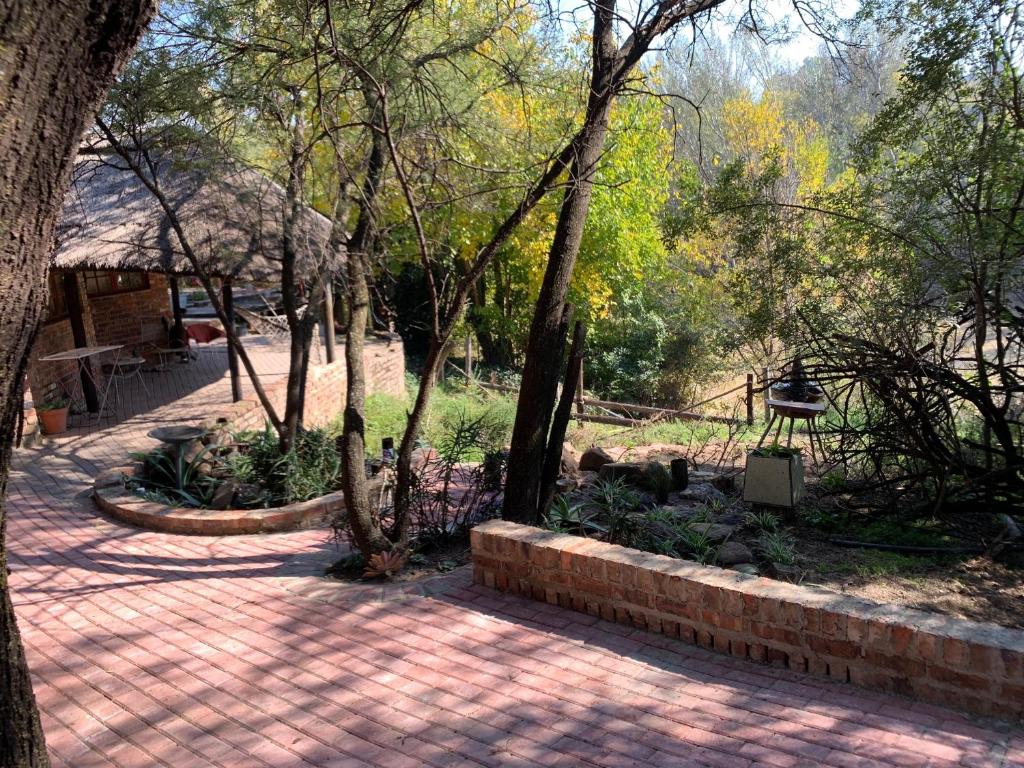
point(973, 588)
point(429, 562)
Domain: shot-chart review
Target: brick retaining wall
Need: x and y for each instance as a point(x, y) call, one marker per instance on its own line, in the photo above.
point(384, 361)
point(935, 658)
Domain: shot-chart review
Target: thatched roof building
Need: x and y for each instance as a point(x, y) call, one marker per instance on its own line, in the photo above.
point(232, 219)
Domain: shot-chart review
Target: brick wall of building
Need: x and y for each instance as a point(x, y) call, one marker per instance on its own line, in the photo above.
point(118, 318)
point(939, 659)
point(108, 320)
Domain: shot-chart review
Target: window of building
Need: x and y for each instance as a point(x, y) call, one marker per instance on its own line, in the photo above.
point(106, 282)
point(56, 306)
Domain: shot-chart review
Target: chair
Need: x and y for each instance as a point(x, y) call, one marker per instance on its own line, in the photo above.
point(157, 336)
point(119, 372)
point(203, 333)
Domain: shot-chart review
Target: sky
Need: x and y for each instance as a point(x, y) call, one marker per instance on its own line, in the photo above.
point(801, 44)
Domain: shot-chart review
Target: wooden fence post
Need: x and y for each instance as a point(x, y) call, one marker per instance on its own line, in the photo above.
point(469, 360)
point(750, 398)
point(579, 389)
point(765, 376)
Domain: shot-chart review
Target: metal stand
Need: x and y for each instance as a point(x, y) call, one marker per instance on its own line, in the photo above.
point(808, 412)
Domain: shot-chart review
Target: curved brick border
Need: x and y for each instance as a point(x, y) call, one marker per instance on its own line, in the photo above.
point(113, 498)
point(954, 662)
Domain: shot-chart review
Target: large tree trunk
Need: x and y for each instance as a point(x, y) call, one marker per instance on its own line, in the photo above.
point(366, 531)
point(300, 329)
point(553, 454)
point(56, 63)
point(545, 347)
point(435, 358)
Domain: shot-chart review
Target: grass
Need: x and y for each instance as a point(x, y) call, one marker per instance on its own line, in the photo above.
point(671, 432)
point(386, 414)
point(876, 564)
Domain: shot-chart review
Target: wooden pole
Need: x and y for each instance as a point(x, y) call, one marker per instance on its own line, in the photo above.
point(76, 314)
point(229, 310)
point(765, 395)
point(579, 389)
point(469, 360)
point(750, 398)
point(179, 325)
point(329, 320)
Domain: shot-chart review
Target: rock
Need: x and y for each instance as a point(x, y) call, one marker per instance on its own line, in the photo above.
point(650, 476)
point(223, 496)
point(198, 456)
point(714, 531)
point(786, 572)
point(725, 483)
point(748, 568)
point(734, 553)
point(216, 438)
point(565, 484)
point(680, 469)
point(682, 511)
point(703, 492)
point(570, 459)
point(731, 518)
point(657, 480)
point(248, 495)
point(628, 471)
point(594, 458)
point(587, 478)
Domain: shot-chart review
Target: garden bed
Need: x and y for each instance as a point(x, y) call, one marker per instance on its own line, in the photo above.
point(960, 584)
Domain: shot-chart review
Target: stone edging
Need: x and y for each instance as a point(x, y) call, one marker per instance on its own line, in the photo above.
point(939, 659)
point(113, 498)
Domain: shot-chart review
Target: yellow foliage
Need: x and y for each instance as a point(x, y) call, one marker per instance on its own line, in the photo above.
point(759, 132)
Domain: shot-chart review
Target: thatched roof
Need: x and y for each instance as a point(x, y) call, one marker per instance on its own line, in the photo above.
point(232, 218)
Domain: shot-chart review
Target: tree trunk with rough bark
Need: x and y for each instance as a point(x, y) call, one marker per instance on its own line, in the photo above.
point(552, 462)
point(611, 67)
point(544, 349)
point(366, 531)
point(56, 64)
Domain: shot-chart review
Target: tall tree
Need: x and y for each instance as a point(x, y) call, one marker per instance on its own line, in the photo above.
point(612, 65)
point(55, 66)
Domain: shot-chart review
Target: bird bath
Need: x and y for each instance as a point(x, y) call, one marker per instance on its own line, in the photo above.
point(177, 438)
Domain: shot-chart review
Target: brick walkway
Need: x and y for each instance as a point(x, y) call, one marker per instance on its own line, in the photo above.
point(150, 649)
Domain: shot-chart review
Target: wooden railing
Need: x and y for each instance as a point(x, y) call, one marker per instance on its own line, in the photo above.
point(634, 414)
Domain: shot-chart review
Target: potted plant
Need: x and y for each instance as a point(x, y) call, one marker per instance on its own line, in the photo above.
point(774, 476)
point(53, 416)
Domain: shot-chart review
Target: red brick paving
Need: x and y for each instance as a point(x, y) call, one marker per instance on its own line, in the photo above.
point(158, 650)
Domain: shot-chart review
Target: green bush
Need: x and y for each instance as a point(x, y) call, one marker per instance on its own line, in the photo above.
point(311, 469)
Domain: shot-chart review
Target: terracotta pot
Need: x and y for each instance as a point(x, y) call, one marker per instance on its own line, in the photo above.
point(53, 421)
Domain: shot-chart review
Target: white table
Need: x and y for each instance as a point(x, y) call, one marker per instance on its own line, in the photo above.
point(81, 356)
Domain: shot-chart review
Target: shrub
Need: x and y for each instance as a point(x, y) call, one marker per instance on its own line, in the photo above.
point(778, 548)
point(311, 469)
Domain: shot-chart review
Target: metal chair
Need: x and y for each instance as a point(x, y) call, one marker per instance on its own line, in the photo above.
point(120, 372)
point(155, 334)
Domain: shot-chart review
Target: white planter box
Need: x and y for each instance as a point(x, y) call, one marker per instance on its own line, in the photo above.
point(777, 481)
